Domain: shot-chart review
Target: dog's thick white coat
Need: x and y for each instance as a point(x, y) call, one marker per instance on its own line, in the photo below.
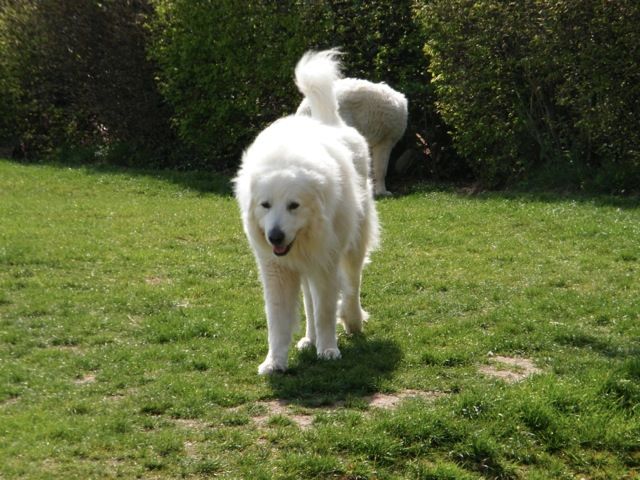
point(378, 112)
point(307, 209)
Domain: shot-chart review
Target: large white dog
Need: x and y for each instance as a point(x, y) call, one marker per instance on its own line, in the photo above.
point(378, 112)
point(308, 212)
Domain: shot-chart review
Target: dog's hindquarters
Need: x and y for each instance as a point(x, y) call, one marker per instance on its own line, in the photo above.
point(316, 77)
point(352, 264)
point(378, 112)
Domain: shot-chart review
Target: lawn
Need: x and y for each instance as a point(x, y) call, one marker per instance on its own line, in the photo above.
point(504, 339)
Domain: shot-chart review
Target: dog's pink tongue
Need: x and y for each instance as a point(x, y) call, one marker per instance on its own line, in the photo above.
point(279, 250)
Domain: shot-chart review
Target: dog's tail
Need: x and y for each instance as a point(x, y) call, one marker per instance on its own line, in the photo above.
point(316, 73)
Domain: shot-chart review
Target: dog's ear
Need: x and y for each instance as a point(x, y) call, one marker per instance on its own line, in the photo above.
point(324, 193)
point(242, 186)
point(317, 184)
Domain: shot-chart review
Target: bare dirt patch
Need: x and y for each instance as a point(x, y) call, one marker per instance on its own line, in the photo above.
point(191, 424)
point(509, 369)
point(284, 408)
point(156, 280)
point(190, 449)
point(84, 380)
point(281, 408)
point(9, 401)
point(392, 400)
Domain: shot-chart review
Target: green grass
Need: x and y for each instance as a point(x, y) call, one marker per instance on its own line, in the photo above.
point(132, 325)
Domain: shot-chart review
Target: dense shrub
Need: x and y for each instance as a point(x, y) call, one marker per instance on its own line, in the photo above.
point(227, 66)
point(598, 58)
point(77, 74)
point(539, 85)
point(546, 89)
point(384, 42)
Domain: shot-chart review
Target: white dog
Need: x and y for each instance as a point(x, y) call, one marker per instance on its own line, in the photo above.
point(308, 212)
point(378, 112)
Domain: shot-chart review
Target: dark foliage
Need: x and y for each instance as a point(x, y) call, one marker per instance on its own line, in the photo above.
point(77, 73)
point(227, 67)
point(538, 89)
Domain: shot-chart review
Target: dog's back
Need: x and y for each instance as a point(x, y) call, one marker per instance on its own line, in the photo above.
point(375, 109)
point(317, 74)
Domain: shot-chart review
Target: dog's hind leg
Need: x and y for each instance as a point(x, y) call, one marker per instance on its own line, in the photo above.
point(351, 313)
point(324, 290)
point(309, 338)
point(379, 162)
point(281, 289)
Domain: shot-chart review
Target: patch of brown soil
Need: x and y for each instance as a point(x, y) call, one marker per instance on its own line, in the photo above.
point(190, 449)
point(509, 369)
point(274, 408)
point(156, 280)
point(191, 424)
point(9, 401)
point(304, 420)
point(89, 378)
point(392, 400)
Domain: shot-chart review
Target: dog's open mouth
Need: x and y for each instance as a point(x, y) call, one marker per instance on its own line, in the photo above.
point(281, 250)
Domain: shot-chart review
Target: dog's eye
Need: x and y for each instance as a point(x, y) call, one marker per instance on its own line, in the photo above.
point(266, 205)
point(293, 205)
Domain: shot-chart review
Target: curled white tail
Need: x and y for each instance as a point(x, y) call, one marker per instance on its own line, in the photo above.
point(316, 73)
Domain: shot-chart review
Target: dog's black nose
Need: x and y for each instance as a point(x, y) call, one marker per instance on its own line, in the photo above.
point(276, 236)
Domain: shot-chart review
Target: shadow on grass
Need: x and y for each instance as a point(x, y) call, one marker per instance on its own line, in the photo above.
point(532, 195)
point(595, 199)
point(364, 366)
point(219, 183)
point(201, 181)
point(601, 346)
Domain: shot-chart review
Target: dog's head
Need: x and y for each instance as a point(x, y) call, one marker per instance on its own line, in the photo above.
point(285, 204)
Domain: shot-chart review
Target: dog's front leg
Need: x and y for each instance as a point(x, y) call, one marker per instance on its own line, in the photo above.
point(281, 287)
point(324, 289)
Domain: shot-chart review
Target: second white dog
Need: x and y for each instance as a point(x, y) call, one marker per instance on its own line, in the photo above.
point(378, 112)
point(307, 209)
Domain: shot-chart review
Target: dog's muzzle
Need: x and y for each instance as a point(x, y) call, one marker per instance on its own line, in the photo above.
point(276, 238)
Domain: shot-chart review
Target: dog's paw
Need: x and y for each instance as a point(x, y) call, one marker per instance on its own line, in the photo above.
point(270, 366)
point(304, 343)
point(329, 354)
point(351, 328)
point(353, 323)
point(383, 194)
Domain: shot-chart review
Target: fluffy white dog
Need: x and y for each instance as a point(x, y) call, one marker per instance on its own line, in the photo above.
point(308, 212)
point(378, 112)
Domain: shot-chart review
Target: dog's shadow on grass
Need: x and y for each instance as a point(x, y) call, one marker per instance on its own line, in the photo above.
point(364, 366)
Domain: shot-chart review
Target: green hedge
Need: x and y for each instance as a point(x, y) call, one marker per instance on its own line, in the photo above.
point(540, 88)
point(532, 89)
point(76, 74)
point(226, 67)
